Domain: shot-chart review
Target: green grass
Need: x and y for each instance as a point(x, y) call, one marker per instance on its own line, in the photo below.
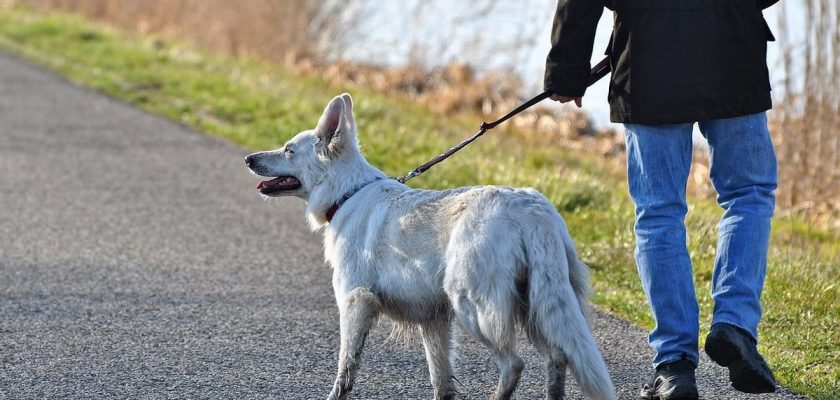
point(259, 106)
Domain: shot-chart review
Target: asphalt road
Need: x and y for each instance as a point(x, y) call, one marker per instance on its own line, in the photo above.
point(137, 261)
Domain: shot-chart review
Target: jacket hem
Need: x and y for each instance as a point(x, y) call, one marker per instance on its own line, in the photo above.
point(685, 117)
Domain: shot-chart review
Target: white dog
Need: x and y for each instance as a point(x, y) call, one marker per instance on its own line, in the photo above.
point(491, 257)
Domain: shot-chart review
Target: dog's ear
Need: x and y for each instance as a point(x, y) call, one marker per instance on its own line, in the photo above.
point(337, 128)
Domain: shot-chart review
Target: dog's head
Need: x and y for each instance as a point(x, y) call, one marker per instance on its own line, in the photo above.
point(302, 164)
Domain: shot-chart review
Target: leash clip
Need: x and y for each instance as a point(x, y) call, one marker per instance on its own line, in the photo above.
point(411, 174)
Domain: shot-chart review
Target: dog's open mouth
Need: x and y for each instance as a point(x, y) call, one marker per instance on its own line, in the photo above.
point(279, 184)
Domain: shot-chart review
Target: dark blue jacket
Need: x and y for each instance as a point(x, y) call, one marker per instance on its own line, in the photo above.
point(673, 61)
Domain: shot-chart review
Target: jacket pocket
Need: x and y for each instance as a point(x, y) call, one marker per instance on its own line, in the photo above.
point(680, 5)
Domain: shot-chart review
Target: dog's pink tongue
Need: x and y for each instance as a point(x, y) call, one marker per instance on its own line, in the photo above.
point(269, 183)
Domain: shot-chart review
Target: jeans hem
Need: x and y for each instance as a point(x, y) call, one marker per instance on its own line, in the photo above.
point(693, 358)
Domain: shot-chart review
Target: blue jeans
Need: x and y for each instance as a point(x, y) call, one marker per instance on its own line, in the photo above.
point(743, 172)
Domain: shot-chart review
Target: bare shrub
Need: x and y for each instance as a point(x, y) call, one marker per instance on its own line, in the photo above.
point(260, 28)
point(806, 122)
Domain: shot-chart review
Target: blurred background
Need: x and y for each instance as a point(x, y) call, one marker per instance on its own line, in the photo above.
point(485, 56)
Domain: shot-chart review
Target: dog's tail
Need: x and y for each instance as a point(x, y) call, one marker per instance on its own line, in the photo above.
point(558, 311)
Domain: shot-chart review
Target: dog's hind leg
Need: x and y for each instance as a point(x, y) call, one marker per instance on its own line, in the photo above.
point(510, 369)
point(437, 340)
point(360, 309)
point(499, 335)
point(555, 364)
point(555, 378)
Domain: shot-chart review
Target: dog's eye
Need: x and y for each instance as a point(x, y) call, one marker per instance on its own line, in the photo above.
point(289, 151)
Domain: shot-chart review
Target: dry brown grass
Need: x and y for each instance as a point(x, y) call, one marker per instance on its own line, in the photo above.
point(806, 122)
point(259, 28)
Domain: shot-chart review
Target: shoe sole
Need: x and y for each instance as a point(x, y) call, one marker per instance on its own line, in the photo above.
point(745, 376)
point(673, 396)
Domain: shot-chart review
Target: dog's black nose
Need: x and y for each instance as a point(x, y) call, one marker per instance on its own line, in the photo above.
point(249, 159)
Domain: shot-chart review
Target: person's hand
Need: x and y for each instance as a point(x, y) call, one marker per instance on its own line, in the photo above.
point(566, 99)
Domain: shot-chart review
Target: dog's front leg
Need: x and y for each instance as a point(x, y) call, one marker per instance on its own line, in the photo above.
point(358, 311)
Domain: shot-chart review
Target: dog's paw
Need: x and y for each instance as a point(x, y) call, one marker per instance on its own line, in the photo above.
point(340, 391)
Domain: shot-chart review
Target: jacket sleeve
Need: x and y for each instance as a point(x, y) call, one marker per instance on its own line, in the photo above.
point(572, 36)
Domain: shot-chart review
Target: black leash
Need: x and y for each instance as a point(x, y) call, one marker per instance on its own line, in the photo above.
point(598, 71)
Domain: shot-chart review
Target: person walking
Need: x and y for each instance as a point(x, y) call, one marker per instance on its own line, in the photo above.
point(675, 63)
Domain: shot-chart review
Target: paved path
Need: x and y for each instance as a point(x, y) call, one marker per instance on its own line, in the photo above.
point(136, 261)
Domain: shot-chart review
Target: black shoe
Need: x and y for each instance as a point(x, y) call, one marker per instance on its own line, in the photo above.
point(734, 348)
point(672, 381)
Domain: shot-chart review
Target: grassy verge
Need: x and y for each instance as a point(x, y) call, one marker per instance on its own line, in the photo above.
point(257, 105)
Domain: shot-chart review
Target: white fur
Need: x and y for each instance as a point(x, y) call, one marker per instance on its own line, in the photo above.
point(491, 257)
